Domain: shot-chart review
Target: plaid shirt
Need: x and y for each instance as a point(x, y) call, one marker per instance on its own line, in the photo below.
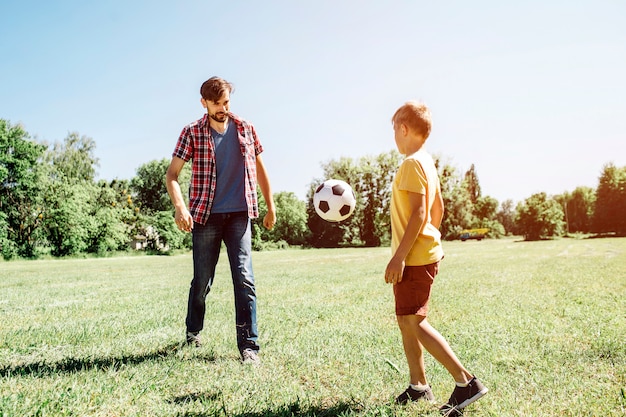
point(195, 143)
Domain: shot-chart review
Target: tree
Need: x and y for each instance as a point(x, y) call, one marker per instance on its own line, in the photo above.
point(116, 218)
point(485, 216)
point(578, 207)
point(68, 218)
point(610, 201)
point(149, 188)
point(540, 217)
point(374, 189)
point(506, 217)
point(20, 190)
point(74, 159)
point(150, 193)
point(291, 226)
point(485, 208)
point(85, 217)
point(472, 184)
point(457, 202)
point(162, 232)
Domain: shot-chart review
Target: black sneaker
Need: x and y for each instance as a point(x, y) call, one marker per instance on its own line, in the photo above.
point(411, 394)
point(463, 396)
point(193, 339)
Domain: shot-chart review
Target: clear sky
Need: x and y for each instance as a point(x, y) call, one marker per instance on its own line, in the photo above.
point(532, 93)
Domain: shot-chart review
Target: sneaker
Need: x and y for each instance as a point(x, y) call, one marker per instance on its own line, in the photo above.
point(411, 394)
point(250, 356)
point(463, 396)
point(193, 339)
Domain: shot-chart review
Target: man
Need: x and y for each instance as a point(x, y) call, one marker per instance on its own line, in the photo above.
point(226, 166)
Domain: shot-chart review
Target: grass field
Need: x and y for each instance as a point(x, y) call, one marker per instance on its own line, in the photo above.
point(543, 325)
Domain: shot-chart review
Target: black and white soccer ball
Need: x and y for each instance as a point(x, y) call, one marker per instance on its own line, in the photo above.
point(334, 200)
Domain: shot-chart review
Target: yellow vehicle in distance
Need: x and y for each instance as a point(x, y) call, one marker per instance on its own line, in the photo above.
point(478, 234)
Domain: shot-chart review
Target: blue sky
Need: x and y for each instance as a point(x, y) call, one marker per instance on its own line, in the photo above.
point(532, 93)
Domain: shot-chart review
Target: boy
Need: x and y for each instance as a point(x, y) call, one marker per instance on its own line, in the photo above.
point(416, 214)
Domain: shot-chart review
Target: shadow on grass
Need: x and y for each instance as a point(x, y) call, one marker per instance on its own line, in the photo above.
point(70, 365)
point(287, 410)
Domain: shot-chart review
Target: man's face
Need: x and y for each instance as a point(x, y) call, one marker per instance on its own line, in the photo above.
point(218, 110)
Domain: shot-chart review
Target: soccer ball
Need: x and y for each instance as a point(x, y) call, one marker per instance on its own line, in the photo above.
point(334, 200)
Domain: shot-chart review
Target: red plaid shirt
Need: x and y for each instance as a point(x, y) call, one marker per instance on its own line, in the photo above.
point(195, 143)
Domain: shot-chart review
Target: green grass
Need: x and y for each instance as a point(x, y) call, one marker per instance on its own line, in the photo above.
point(542, 324)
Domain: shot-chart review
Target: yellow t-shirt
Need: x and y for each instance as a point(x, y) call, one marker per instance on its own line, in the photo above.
point(417, 174)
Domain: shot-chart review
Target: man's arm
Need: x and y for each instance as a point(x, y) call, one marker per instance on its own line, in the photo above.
point(183, 218)
point(417, 202)
point(264, 183)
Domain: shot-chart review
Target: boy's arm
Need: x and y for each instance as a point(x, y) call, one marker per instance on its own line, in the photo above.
point(417, 202)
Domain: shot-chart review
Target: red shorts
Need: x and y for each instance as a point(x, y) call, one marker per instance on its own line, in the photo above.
point(413, 292)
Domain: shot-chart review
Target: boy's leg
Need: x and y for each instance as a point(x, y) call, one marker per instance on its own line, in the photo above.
point(468, 388)
point(411, 296)
point(413, 351)
point(437, 346)
point(418, 388)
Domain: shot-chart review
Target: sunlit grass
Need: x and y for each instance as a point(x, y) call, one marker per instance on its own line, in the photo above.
point(542, 324)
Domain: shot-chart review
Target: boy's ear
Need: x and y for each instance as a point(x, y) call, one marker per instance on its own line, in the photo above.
point(404, 129)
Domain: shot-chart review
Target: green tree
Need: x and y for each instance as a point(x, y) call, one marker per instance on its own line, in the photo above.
point(291, 217)
point(610, 201)
point(86, 217)
point(8, 248)
point(485, 216)
point(148, 185)
point(485, 208)
point(162, 233)
point(74, 159)
point(458, 214)
point(116, 218)
point(20, 191)
point(68, 218)
point(374, 190)
point(578, 207)
point(540, 217)
point(472, 184)
point(157, 221)
point(506, 217)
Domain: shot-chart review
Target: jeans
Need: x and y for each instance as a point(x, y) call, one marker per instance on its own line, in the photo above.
point(234, 230)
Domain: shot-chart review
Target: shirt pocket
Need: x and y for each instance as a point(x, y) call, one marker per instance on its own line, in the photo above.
point(246, 142)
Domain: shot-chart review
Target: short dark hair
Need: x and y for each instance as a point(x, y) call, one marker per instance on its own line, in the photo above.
point(213, 88)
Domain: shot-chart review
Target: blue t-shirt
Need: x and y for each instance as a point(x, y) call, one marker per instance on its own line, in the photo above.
point(229, 163)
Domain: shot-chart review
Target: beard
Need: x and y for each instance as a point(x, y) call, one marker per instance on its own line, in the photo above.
point(219, 117)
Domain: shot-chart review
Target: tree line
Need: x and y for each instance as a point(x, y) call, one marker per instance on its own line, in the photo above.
point(51, 203)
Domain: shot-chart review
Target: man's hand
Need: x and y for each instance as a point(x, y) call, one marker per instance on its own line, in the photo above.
point(183, 219)
point(270, 219)
point(393, 273)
